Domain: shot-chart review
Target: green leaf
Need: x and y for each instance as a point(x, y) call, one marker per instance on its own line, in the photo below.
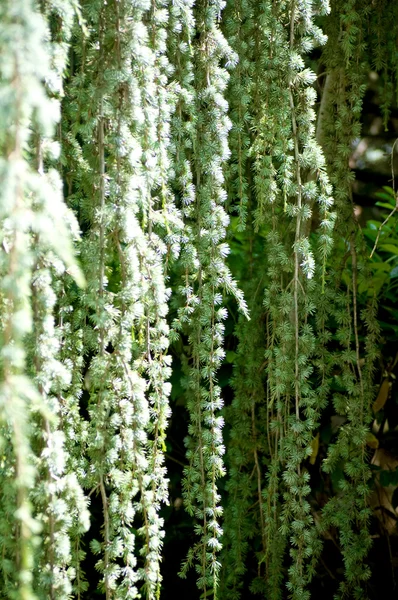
point(385, 205)
point(388, 477)
point(230, 356)
point(389, 248)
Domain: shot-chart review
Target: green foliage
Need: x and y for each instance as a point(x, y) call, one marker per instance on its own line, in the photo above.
point(132, 225)
point(357, 330)
point(154, 118)
point(37, 231)
point(206, 277)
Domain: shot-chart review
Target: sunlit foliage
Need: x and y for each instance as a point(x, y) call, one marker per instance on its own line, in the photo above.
point(131, 131)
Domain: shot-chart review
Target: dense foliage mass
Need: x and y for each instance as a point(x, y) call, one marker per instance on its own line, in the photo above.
point(165, 164)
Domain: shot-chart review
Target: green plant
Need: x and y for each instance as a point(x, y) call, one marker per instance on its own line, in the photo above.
point(129, 130)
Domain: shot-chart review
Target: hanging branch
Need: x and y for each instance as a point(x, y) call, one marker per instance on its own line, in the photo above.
point(348, 511)
point(290, 176)
point(209, 277)
point(296, 445)
point(246, 447)
point(32, 208)
point(58, 496)
point(162, 225)
point(131, 227)
point(239, 28)
point(244, 509)
point(353, 362)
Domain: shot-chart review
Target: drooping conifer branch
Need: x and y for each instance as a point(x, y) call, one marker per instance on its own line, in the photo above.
point(130, 224)
point(290, 178)
point(239, 31)
point(246, 448)
point(382, 42)
point(98, 76)
point(73, 425)
point(206, 277)
point(161, 224)
point(58, 498)
point(341, 127)
point(32, 210)
point(246, 445)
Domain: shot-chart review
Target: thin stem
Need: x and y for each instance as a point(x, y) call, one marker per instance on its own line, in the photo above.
point(298, 223)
